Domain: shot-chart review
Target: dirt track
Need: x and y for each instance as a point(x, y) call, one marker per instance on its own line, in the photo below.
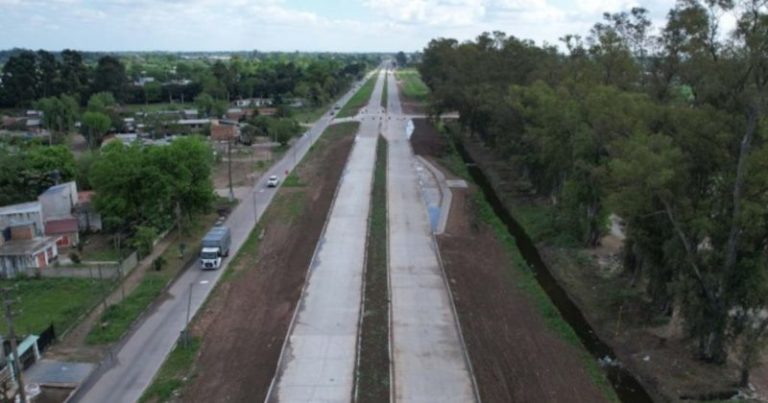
point(245, 323)
point(516, 357)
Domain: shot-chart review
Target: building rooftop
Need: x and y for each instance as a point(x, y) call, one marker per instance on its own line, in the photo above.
point(61, 226)
point(28, 207)
point(24, 247)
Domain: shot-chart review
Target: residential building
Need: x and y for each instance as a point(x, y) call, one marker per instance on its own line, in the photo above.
point(58, 205)
point(23, 213)
point(58, 200)
point(224, 131)
point(252, 102)
point(64, 230)
point(24, 252)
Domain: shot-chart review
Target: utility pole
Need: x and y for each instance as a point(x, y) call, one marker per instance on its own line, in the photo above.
point(7, 302)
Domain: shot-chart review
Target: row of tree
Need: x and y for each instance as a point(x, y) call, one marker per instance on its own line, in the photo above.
point(28, 76)
point(667, 130)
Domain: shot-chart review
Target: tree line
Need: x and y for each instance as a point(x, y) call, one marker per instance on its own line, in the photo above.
point(28, 76)
point(666, 128)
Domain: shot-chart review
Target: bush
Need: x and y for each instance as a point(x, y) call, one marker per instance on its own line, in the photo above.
point(74, 257)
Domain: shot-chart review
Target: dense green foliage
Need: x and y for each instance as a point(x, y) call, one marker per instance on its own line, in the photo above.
point(29, 169)
point(28, 76)
point(150, 186)
point(667, 131)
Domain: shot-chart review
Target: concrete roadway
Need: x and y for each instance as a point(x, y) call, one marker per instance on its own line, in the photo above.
point(130, 367)
point(319, 357)
point(428, 358)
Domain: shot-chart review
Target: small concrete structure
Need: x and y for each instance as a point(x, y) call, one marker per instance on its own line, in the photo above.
point(19, 256)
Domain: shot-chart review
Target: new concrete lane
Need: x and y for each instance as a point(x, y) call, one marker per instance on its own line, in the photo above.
point(318, 360)
point(429, 363)
point(127, 372)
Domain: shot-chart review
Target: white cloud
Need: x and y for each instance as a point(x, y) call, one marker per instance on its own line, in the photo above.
point(430, 12)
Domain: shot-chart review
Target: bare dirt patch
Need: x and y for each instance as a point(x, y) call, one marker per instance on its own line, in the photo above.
point(248, 162)
point(516, 357)
point(245, 322)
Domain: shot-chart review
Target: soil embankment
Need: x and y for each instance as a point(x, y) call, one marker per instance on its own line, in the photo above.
point(516, 355)
point(244, 324)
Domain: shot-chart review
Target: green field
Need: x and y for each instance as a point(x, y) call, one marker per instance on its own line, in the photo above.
point(51, 300)
point(413, 87)
point(360, 99)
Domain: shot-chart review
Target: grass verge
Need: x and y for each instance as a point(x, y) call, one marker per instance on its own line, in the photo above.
point(360, 99)
point(527, 281)
point(117, 318)
point(373, 368)
point(173, 372)
point(413, 87)
point(385, 92)
point(57, 301)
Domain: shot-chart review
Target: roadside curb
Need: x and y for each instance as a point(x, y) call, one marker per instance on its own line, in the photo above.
point(446, 196)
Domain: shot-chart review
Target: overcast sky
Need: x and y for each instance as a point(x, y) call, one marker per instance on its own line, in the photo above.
point(304, 25)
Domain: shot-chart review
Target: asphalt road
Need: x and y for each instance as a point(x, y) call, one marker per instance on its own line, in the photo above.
point(318, 360)
point(128, 371)
point(428, 357)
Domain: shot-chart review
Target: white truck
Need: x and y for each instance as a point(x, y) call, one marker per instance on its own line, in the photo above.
point(215, 247)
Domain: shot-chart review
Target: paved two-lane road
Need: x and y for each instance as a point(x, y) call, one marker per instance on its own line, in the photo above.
point(429, 362)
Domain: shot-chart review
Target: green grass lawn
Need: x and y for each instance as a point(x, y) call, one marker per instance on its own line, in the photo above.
point(52, 300)
point(385, 92)
point(102, 255)
point(116, 320)
point(360, 98)
point(413, 87)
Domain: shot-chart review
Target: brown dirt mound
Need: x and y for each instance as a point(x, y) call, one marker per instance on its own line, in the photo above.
point(245, 323)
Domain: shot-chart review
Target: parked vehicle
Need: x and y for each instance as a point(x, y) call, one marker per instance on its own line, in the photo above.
point(215, 247)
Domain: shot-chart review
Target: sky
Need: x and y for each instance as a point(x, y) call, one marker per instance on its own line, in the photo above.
point(289, 25)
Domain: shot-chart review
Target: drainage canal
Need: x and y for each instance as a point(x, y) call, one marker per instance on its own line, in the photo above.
point(624, 383)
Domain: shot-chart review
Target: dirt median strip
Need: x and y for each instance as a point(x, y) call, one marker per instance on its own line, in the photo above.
point(244, 323)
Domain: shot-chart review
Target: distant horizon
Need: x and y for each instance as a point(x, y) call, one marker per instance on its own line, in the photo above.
point(344, 26)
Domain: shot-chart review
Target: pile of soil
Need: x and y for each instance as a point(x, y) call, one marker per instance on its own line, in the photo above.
point(245, 323)
point(515, 356)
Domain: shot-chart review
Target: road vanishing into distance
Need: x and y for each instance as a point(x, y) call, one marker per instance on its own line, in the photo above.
point(428, 357)
point(428, 360)
point(320, 354)
point(131, 366)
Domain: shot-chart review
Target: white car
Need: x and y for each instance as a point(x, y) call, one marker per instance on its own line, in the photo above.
point(272, 181)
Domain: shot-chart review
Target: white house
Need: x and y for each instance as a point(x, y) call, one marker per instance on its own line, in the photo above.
point(23, 213)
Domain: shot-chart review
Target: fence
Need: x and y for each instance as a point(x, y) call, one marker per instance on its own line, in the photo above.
point(107, 270)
